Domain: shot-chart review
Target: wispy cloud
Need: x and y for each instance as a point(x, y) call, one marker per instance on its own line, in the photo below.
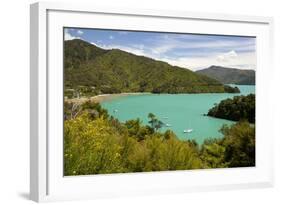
point(243, 61)
point(225, 57)
point(193, 51)
point(68, 36)
point(228, 59)
point(79, 32)
point(170, 43)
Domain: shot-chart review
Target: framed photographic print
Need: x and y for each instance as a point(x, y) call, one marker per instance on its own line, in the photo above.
point(127, 102)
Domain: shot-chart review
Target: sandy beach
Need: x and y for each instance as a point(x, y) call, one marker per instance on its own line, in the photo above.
point(102, 98)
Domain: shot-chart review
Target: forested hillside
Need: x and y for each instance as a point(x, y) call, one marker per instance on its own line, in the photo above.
point(90, 70)
point(230, 75)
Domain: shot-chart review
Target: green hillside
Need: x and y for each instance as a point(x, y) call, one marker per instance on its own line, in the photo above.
point(230, 75)
point(91, 70)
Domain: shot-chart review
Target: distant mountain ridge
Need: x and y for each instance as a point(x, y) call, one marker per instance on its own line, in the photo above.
point(230, 75)
point(93, 70)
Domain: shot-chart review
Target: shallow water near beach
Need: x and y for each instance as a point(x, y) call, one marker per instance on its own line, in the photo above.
point(178, 111)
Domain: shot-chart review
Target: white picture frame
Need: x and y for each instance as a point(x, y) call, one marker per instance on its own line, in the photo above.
point(47, 182)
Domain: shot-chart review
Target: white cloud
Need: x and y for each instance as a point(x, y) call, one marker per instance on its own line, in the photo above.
point(93, 43)
point(225, 57)
point(68, 36)
point(167, 43)
point(228, 59)
point(241, 61)
point(79, 32)
point(188, 51)
point(163, 49)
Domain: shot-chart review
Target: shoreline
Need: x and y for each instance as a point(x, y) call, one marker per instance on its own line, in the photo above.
point(103, 97)
point(107, 97)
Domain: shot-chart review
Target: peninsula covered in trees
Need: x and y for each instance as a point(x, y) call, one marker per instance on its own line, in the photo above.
point(238, 108)
point(90, 70)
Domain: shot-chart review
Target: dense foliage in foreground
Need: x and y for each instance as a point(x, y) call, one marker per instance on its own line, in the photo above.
point(90, 70)
point(96, 143)
point(238, 108)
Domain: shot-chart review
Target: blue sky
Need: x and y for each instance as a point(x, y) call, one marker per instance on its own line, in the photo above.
point(186, 50)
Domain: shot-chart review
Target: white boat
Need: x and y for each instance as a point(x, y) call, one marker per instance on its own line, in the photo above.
point(115, 110)
point(188, 130)
point(168, 125)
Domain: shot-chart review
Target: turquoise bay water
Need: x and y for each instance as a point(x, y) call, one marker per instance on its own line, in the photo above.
point(181, 111)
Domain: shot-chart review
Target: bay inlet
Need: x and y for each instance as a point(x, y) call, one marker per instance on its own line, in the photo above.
point(178, 111)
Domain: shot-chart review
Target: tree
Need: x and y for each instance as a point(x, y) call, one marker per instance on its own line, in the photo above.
point(239, 143)
point(155, 123)
point(135, 129)
point(212, 154)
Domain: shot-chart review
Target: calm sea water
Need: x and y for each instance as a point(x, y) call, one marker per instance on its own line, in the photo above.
point(180, 111)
